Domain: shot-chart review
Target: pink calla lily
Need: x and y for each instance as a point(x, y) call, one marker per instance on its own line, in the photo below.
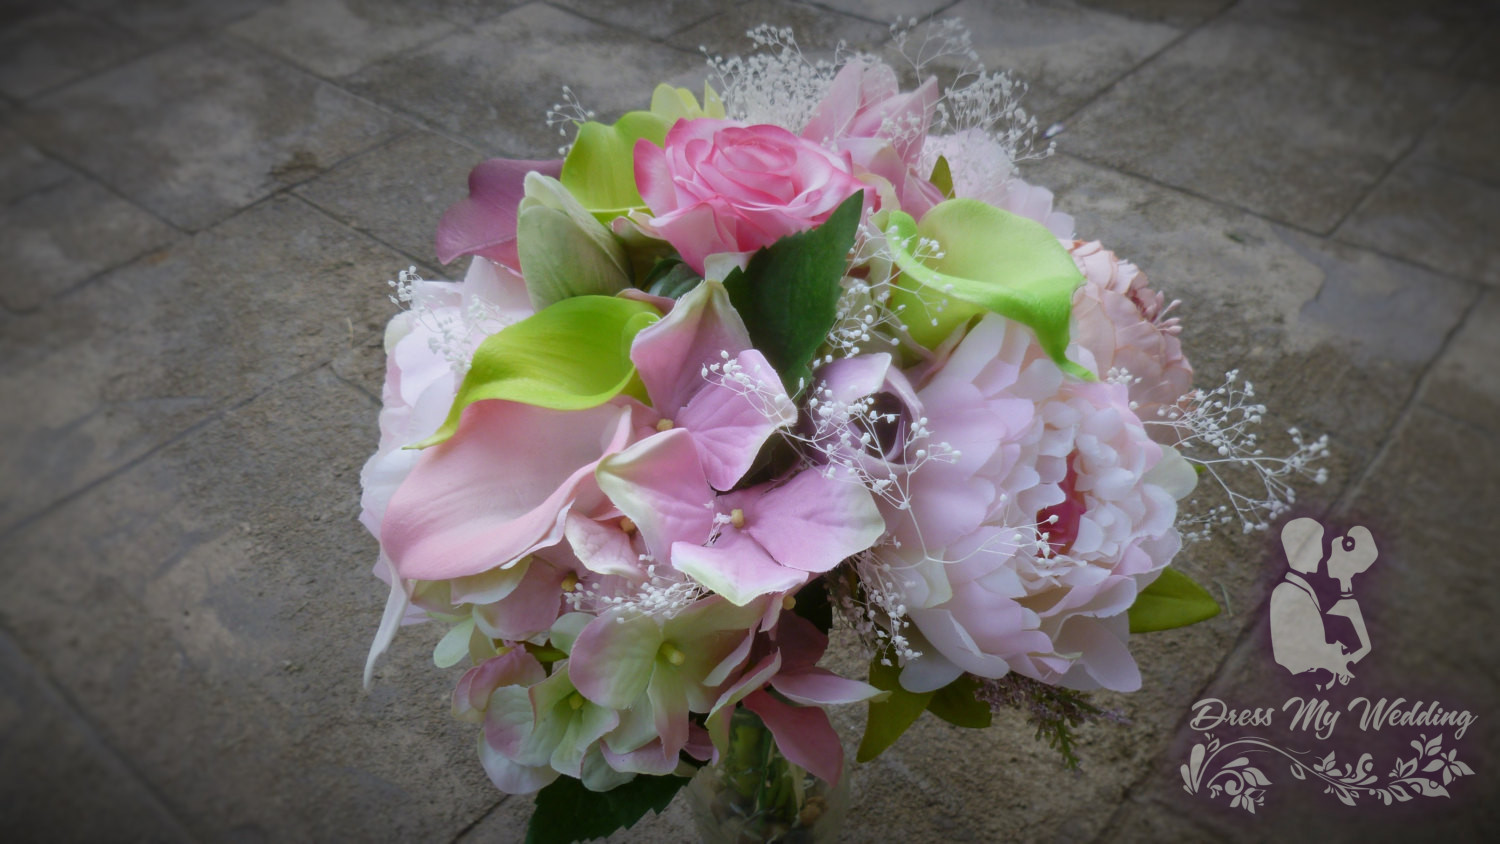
point(500, 488)
point(484, 223)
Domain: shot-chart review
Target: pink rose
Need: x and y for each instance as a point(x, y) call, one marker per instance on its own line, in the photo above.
point(722, 186)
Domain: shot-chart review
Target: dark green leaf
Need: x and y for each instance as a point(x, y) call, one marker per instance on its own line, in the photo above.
point(891, 717)
point(788, 293)
point(1172, 600)
point(956, 704)
point(671, 278)
point(942, 178)
point(567, 812)
point(812, 604)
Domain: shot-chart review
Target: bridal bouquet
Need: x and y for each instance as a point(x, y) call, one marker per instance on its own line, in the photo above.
point(807, 349)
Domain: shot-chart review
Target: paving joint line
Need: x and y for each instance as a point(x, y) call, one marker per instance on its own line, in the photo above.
point(25, 521)
point(1408, 408)
point(1185, 34)
point(483, 816)
point(1407, 154)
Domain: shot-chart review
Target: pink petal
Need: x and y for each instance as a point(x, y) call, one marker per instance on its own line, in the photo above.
point(528, 610)
point(803, 735)
point(736, 567)
point(484, 223)
point(671, 354)
point(652, 758)
point(730, 423)
point(800, 641)
point(512, 668)
point(601, 547)
point(659, 484)
point(811, 522)
point(612, 660)
point(498, 489)
point(510, 777)
point(653, 178)
point(820, 686)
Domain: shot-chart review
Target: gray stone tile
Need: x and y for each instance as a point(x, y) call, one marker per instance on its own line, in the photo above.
point(1287, 126)
point(398, 192)
point(1434, 217)
point(818, 31)
point(1431, 33)
point(886, 11)
point(24, 169)
point(199, 131)
point(1464, 141)
point(170, 20)
point(147, 351)
point(1181, 13)
point(653, 20)
point(57, 237)
point(1481, 58)
point(494, 84)
point(210, 609)
point(58, 780)
point(1065, 53)
point(337, 37)
point(1465, 382)
point(45, 51)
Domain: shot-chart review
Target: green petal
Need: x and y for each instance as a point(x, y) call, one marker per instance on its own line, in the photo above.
point(990, 260)
point(1172, 600)
point(571, 356)
point(674, 104)
point(564, 251)
point(600, 168)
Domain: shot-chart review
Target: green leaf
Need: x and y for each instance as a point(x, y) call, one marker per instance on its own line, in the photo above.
point(571, 356)
point(891, 717)
point(956, 704)
point(1172, 600)
point(789, 292)
point(600, 168)
point(564, 251)
point(671, 278)
point(567, 812)
point(812, 604)
point(942, 177)
point(990, 260)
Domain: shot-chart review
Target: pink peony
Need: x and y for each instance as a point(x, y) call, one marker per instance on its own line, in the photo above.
point(986, 593)
point(1123, 324)
point(722, 186)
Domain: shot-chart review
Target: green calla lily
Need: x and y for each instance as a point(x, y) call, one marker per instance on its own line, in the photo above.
point(571, 356)
point(600, 168)
point(987, 260)
point(674, 104)
point(564, 250)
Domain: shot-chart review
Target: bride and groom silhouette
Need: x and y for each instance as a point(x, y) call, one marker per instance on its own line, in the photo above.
point(1300, 640)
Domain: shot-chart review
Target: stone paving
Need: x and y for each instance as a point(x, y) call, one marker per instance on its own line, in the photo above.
point(201, 203)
